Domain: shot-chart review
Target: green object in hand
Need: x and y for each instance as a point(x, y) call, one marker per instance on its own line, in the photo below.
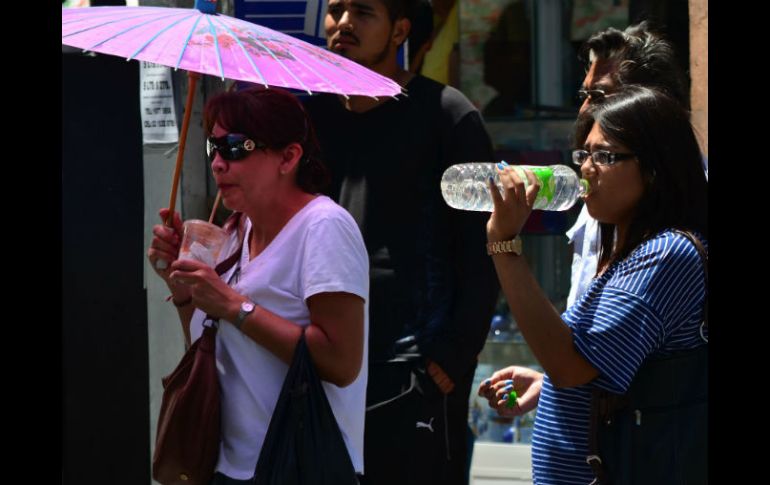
point(512, 396)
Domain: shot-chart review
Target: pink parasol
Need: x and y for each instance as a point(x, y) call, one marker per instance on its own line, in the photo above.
point(199, 40)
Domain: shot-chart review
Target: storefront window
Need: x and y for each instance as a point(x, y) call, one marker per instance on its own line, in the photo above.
point(518, 58)
point(497, 56)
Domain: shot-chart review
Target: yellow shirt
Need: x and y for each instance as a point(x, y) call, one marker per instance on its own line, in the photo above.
point(436, 62)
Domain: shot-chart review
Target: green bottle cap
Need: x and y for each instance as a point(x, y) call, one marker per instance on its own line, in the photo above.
point(585, 187)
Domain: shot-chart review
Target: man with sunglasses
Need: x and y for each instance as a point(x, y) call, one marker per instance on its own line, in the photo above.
point(431, 280)
point(614, 58)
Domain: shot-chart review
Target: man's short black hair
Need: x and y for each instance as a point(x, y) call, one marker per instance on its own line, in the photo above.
point(642, 57)
point(398, 9)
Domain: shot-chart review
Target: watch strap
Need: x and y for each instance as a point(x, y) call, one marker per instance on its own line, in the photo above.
point(511, 246)
point(242, 314)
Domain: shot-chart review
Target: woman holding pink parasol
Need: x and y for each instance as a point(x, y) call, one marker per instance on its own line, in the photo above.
point(301, 266)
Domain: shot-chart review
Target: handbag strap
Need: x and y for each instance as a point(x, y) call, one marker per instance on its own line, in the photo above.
point(593, 459)
point(228, 263)
point(603, 406)
point(234, 222)
point(223, 268)
point(705, 260)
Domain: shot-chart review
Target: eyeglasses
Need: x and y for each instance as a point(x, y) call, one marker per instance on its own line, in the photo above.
point(599, 157)
point(594, 94)
point(231, 147)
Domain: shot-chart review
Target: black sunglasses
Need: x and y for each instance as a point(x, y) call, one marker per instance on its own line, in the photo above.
point(231, 147)
point(594, 94)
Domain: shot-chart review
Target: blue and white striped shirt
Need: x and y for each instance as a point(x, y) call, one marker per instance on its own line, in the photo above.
point(649, 303)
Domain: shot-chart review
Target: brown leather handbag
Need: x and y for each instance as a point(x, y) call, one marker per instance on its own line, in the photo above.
point(188, 437)
point(187, 442)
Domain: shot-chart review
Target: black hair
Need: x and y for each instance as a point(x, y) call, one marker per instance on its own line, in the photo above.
point(642, 56)
point(398, 9)
point(656, 128)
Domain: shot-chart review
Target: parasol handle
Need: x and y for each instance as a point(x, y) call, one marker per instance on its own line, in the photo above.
point(193, 80)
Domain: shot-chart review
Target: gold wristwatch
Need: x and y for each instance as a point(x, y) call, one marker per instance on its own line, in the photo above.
point(511, 246)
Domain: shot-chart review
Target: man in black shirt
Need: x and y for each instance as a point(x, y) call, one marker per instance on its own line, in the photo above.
point(430, 275)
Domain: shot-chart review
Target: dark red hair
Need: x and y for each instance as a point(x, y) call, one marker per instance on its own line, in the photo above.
point(276, 118)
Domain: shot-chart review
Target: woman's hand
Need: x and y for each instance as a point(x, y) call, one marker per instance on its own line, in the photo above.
point(526, 382)
point(513, 206)
point(164, 250)
point(209, 293)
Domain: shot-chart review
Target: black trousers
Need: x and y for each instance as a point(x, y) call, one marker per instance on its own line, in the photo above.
point(419, 438)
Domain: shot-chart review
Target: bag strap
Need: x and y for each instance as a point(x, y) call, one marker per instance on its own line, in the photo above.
point(705, 260)
point(224, 267)
point(593, 458)
point(604, 404)
point(228, 263)
point(234, 222)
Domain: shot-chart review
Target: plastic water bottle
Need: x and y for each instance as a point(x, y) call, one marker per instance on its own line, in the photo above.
point(464, 186)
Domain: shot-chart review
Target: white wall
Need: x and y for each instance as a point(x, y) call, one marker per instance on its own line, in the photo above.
point(501, 464)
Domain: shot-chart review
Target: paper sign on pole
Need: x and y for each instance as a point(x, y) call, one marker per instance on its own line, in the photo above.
point(156, 95)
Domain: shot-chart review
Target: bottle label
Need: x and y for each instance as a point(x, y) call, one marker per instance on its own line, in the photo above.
point(545, 176)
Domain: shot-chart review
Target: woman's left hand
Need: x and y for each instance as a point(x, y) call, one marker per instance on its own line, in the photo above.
point(525, 381)
point(209, 293)
point(513, 206)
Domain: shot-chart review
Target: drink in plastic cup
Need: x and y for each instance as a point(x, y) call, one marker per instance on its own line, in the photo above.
point(202, 242)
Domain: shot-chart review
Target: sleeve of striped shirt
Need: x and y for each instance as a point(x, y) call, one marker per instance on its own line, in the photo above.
point(652, 294)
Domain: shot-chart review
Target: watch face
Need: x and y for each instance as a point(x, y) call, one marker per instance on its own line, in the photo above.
point(247, 306)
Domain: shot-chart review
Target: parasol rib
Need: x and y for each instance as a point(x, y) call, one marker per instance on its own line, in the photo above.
point(156, 36)
point(216, 49)
point(108, 12)
point(280, 63)
point(186, 41)
point(245, 52)
point(327, 80)
point(106, 23)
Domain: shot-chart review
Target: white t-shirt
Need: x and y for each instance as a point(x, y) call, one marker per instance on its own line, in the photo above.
point(584, 236)
point(585, 252)
point(319, 250)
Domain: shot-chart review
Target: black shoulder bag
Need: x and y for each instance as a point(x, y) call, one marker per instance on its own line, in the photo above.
point(657, 432)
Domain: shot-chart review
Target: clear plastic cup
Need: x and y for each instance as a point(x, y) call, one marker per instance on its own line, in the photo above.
point(202, 242)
